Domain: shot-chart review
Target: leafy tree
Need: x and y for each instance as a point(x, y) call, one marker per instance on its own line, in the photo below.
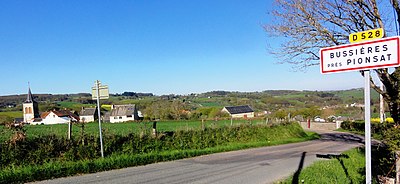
point(309, 25)
point(280, 114)
point(310, 112)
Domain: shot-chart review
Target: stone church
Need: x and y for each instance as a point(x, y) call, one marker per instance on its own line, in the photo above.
point(30, 108)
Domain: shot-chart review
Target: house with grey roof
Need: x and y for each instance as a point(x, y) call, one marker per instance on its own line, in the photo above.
point(243, 111)
point(123, 113)
point(88, 114)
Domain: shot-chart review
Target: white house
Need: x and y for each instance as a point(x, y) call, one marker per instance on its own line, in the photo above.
point(88, 114)
point(243, 111)
point(57, 117)
point(123, 113)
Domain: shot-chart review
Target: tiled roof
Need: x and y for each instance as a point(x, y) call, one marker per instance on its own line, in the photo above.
point(122, 110)
point(239, 109)
point(44, 114)
point(87, 112)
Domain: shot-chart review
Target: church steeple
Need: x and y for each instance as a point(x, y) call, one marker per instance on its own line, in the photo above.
point(30, 108)
point(29, 97)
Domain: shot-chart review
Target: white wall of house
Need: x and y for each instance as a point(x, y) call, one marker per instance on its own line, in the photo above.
point(52, 118)
point(225, 110)
point(117, 119)
point(87, 118)
point(243, 115)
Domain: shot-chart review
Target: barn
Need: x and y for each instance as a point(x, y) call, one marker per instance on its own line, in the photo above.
point(244, 111)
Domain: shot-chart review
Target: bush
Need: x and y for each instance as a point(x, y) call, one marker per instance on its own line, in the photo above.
point(52, 156)
point(377, 128)
point(43, 149)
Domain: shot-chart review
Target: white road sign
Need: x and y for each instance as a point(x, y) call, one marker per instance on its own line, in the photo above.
point(375, 54)
point(103, 91)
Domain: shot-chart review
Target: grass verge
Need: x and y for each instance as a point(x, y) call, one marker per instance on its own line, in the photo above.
point(347, 168)
point(61, 169)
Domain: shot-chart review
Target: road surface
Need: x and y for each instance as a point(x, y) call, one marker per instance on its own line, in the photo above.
point(257, 165)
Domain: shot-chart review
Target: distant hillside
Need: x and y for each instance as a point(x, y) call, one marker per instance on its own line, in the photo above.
point(196, 106)
point(347, 96)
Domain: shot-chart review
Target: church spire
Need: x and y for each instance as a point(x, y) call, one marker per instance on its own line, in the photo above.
point(29, 96)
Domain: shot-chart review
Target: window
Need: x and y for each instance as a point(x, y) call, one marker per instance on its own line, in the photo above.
point(120, 117)
point(28, 110)
point(129, 116)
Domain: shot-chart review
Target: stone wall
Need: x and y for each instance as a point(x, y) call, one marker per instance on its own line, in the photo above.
point(320, 126)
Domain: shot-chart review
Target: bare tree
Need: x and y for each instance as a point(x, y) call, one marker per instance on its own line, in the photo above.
point(306, 26)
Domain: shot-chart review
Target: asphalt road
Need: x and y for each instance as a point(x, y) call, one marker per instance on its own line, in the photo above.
point(258, 165)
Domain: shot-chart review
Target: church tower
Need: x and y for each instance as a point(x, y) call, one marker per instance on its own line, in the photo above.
point(30, 108)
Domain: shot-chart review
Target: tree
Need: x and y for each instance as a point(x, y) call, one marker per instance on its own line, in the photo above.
point(310, 112)
point(280, 114)
point(309, 25)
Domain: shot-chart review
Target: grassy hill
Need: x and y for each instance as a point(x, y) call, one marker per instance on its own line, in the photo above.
point(194, 106)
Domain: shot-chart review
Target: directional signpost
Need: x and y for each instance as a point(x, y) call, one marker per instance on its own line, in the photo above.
point(366, 55)
point(100, 92)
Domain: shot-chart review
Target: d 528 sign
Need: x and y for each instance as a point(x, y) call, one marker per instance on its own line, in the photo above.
point(366, 35)
point(380, 53)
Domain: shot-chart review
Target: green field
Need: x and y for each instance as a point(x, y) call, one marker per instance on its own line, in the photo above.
point(46, 157)
point(73, 105)
point(13, 114)
point(121, 128)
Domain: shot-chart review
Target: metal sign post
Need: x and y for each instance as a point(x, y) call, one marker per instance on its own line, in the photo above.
point(99, 117)
point(367, 113)
point(100, 92)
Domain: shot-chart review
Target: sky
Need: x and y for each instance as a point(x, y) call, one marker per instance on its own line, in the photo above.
point(154, 46)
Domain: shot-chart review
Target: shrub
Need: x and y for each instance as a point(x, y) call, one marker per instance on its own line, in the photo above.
point(43, 149)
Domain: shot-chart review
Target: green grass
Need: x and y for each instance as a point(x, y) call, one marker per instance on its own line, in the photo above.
point(335, 170)
point(53, 169)
point(73, 105)
point(210, 104)
point(13, 114)
point(120, 128)
point(355, 94)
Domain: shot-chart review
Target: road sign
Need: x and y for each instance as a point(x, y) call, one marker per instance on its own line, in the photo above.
point(103, 91)
point(366, 35)
point(100, 92)
point(375, 54)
